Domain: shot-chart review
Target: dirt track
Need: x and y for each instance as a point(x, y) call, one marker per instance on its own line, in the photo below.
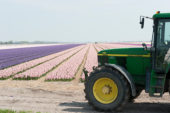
point(65, 97)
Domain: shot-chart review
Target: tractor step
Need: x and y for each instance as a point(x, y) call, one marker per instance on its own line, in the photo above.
point(158, 91)
point(157, 85)
point(156, 95)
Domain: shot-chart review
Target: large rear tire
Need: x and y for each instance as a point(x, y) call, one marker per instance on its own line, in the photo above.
point(106, 89)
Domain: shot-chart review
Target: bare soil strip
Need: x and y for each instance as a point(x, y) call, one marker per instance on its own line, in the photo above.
point(66, 97)
point(80, 69)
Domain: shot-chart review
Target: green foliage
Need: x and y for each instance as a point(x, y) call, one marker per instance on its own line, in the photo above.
point(12, 111)
point(7, 111)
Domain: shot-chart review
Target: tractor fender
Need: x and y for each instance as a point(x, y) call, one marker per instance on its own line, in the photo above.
point(126, 74)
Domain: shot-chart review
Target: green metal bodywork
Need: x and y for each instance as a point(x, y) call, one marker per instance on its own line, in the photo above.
point(135, 60)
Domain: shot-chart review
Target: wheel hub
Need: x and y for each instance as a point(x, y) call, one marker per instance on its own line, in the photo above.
point(107, 89)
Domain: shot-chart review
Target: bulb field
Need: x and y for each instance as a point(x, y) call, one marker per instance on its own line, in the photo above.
point(56, 62)
point(50, 79)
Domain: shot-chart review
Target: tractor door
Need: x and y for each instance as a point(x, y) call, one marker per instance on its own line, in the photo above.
point(162, 45)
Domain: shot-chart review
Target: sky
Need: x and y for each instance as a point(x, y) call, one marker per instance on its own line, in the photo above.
point(78, 20)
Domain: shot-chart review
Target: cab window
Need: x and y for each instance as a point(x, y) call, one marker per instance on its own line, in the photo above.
point(163, 33)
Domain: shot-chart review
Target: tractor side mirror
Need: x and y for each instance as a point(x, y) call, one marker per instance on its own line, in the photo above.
point(142, 20)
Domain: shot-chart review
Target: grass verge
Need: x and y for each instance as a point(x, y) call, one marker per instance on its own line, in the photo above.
point(12, 111)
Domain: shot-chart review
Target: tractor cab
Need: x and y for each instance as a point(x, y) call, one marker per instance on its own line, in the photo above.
point(161, 43)
point(160, 55)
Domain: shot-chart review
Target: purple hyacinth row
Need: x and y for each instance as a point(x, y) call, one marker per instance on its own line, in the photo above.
point(10, 57)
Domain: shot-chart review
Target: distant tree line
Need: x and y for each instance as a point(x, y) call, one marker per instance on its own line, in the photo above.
point(26, 42)
point(7, 42)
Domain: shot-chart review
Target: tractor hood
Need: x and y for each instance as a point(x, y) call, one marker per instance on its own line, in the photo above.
point(125, 52)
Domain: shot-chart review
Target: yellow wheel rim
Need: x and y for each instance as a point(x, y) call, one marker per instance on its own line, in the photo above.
point(105, 90)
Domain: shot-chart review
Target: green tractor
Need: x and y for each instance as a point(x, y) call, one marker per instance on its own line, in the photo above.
point(123, 73)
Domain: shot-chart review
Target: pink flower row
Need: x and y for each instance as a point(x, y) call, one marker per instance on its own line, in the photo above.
point(45, 67)
point(68, 69)
point(91, 60)
point(110, 46)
